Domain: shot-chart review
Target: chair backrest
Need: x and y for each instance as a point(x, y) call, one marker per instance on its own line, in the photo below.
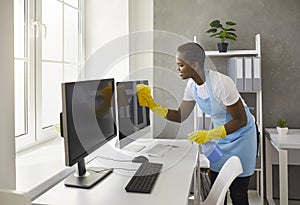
point(12, 197)
point(230, 170)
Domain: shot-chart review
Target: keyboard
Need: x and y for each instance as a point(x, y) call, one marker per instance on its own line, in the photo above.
point(144, 178)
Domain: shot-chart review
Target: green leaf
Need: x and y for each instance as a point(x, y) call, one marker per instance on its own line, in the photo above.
point(212, 30)
point(233, 34)
point(214, 35)
point(223, 36)
point(281, 123)
point(223, 33)
point(215, 24)
point(230, 23)
point(231, 38)
point(228, 29)
point(231, 29)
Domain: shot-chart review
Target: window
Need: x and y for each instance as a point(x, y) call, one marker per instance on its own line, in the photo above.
point(48, 51)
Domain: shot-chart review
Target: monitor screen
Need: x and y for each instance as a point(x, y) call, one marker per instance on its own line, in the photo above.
point(133, 119)
point(88, 117)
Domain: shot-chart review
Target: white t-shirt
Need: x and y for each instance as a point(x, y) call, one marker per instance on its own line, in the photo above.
point(223, 87)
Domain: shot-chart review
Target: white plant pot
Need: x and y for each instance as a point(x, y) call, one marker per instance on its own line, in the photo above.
point(282, 130)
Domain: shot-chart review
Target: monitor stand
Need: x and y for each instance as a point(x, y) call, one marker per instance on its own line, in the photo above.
point(129, 147)
point(83, 178)
point(134, 147)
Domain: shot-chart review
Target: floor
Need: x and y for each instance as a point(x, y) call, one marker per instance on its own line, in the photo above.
point(254, 200)
point(291, 202)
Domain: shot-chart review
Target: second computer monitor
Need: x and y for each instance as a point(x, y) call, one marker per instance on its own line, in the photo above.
point(133, 119)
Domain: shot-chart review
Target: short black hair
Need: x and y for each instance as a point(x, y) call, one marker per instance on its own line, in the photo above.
point(192, 52)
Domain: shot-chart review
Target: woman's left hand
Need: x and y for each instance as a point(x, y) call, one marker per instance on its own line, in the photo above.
point(203, 136)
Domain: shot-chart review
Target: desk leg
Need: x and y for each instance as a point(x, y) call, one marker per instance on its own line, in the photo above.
point(196, 188)
point(269, 183)
point(197, 179)
point(283, 176)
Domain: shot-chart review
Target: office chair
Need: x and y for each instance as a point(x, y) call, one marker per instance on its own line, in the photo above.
point(230, 170)
point(12, 197)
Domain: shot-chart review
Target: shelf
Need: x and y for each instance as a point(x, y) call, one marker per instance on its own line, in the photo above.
point(232, 53)
point(249, 91)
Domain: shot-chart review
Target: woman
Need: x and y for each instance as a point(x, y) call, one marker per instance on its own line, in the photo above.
point(216, 95)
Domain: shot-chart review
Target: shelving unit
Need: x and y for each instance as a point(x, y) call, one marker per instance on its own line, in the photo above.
point(200, 119)
point(231, 53)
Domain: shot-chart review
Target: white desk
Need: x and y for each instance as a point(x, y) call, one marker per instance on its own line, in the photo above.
point(172, 185)
point(281, 143)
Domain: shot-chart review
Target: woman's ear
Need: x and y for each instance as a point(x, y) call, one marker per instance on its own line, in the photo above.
point(198, 69)
point(196, 65)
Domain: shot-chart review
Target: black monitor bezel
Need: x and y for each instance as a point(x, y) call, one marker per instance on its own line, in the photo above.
point(123, 140)
point(68, 139)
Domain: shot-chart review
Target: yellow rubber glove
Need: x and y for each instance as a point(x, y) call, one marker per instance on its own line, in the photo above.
point(145, 99)
point(203, 136)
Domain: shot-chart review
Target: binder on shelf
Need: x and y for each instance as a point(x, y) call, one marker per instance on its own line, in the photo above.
point(235, 71)
point(256, 73)
point(248, 73)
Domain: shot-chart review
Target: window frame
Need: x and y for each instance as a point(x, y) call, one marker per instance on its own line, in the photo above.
point(35, 133)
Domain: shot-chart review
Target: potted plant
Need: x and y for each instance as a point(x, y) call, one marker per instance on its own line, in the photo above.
point(219, 31)
point(282, 127)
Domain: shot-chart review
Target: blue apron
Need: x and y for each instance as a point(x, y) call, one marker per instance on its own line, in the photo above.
point(241, 143)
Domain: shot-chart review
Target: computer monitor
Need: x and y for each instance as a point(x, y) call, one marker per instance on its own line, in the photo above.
point(133, 119)
point(88, 120)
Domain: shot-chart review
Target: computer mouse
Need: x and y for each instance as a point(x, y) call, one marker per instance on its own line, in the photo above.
point(140, 159)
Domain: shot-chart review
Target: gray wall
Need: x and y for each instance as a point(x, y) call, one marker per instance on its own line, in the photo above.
point(277, 21)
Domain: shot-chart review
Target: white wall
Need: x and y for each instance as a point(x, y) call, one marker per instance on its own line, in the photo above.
point(7, 134)
point(141, 23)
point(108, 27)
point(110, 33)
point(106, 39)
